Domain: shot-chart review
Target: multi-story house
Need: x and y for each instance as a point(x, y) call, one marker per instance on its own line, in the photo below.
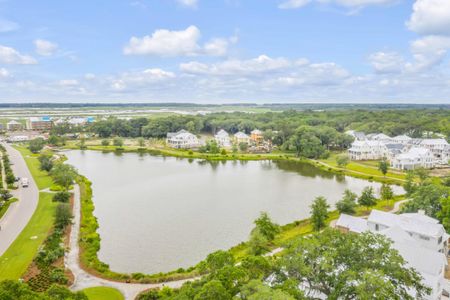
point(39, 123)
point(414, 158)
point(182, 140)
point(223, 139)
point(367, 150)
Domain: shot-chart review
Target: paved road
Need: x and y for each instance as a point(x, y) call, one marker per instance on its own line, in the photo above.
point(84, 280)
point(20, 212)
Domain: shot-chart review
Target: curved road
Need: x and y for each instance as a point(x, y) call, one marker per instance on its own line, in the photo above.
point(20, 212)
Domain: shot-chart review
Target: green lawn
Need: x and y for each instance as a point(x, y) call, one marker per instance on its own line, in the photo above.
point(5, 207)
point(15, 261)
point(43, 180)
point(103, 293)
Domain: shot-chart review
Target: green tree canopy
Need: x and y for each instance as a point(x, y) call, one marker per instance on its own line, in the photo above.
point(319, 213)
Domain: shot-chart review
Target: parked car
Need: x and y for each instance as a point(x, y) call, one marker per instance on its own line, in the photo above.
point(24, 182)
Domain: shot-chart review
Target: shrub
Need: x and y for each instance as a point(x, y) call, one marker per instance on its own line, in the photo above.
point(62, 197)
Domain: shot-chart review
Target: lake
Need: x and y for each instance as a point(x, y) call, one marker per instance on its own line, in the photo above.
point(157, 214)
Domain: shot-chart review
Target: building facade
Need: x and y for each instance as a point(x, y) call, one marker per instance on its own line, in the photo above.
point(182, 140)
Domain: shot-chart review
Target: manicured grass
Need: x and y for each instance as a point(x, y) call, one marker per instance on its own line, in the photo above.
point(43, 180)
point(15, 261)
point(5, 207)
point(103, 293)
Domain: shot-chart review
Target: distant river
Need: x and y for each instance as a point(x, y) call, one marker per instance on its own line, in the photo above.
point(157, 214)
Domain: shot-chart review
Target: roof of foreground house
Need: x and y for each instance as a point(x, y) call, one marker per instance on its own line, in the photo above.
point(353, 224)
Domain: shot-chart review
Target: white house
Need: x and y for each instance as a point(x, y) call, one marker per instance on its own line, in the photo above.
point(241, 137)
point(439, 148)
point(414, 158)
point(419, 239)
point(380, 137)
point(182, 140)
point(223, 139)
point(13, 125)
point(367, 150)
point(401, 139)
point(357, 135)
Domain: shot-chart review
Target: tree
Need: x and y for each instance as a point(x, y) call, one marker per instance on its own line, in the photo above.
point(256, 290)
point(428, 198)
point(218, 260)
point(63, 215)
point(422, 173)
point(383, 166)
point(118, 142)
point(258, 242)
point(63, 175)
point(319, 213)
point(347, 204)
point(141, 142)
point(213, 290)
point(46, 161)
point(409, 185)
point(105, 142)
point(370, 270)
point(386, 192)
point(36, 145)
point(82, 143)
point(367, 198)
point(266, 227)
point(53, 140)
point(62, 197)
point(243, 147)
point(5, 195)
point(342, 160)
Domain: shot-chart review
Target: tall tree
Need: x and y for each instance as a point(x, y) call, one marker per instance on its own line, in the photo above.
point(319, 213)
point(366, 271)
point(347, 204)
point(383, 166)
point(367, 198)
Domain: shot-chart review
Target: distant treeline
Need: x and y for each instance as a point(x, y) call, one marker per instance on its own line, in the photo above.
point(272, 106)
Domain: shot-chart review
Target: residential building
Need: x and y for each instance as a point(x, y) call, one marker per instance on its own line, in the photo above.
point(439, 148)
point(182, 140)
point(223, 139)
point(13, 125)
point(39, 123)
point(414, 158)
point(367, 150)
point(401, 139)
point(357, 135)
point(256, 136)
point(380, 137)
point(241, 137)
point(419, 239)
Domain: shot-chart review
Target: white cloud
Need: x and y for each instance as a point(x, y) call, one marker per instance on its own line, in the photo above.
point(168, 43)
point(293, 4)
point(430, 17)
point(9, 55)
point(138, 79)
point(44, 47)
point(260, 64)
point(387, 62)
point(68, 82)
point(4, 73)
point(428, 52)
point(8, 26)
point(188, 3)
point(89, 76)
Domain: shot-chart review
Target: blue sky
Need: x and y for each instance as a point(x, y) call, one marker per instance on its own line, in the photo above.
point(225, 51)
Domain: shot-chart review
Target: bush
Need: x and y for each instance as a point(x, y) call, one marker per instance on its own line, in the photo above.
point(62, 197)
point(36, 145)
point(63, 215)
point(105, 142)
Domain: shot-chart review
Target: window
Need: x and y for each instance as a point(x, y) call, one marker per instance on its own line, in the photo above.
point(440, 240)
point(423, 237)
point(377, 227)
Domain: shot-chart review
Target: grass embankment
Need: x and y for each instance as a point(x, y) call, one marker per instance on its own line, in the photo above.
point(15, 261)
point(103, 293)
point(5, 206)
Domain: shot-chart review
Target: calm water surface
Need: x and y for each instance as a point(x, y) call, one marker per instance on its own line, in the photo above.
point(157, 214)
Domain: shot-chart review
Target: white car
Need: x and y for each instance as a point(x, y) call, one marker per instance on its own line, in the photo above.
point(24, 182)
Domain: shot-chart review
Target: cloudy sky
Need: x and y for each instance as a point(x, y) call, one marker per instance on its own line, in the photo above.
point(217, 51)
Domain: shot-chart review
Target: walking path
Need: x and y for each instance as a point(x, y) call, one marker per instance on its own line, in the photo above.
point(83, 280)
point(19, 213)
